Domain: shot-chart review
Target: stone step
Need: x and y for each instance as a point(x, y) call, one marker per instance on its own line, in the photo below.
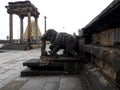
point(30, 72)
point(36, 64)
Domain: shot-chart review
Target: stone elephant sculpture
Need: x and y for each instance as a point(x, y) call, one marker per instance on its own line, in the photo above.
point(59, 41)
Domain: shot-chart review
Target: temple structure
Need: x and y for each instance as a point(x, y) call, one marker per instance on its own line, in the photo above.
point(34, 37)
point(22, 9)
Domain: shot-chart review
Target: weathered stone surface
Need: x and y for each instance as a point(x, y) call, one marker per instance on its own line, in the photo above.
point(96, 80)
point(35, 83)
point(13, 85)
point(11, 66)
point(70, 83)
point(52, 83)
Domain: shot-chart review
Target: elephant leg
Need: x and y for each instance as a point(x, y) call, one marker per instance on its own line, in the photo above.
point(70, 49)
point(55, 50)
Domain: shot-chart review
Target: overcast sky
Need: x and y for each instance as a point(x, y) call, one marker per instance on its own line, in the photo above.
point(62, 15)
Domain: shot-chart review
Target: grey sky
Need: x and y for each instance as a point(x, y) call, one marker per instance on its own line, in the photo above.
point(70, 14)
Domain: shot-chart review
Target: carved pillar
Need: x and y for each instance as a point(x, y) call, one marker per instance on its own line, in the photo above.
point(11, 27)
point(29, 27)
point(36, 29)
point(21, 29)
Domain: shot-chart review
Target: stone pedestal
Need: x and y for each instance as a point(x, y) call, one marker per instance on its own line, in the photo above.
point(56, 66)
point(35, 68)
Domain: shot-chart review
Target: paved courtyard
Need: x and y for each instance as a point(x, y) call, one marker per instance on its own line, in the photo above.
point(11, 66)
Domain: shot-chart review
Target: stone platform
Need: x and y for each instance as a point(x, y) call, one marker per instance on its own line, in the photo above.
point(35, 68)
point(56, 66)
point(11, 64)
point(14, 46)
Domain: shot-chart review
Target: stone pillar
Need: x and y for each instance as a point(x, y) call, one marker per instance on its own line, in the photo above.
point(45, 23)
point(29, 27)
point(21, 29)
point(36, 30)
point(11, 27)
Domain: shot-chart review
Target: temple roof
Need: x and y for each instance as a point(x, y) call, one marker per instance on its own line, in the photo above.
point(108, 18)
point(21, 8)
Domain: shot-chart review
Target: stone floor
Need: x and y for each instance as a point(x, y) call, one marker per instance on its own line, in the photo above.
point(11, 66)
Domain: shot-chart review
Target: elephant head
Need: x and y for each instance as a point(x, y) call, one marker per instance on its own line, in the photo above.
point(50, 35)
